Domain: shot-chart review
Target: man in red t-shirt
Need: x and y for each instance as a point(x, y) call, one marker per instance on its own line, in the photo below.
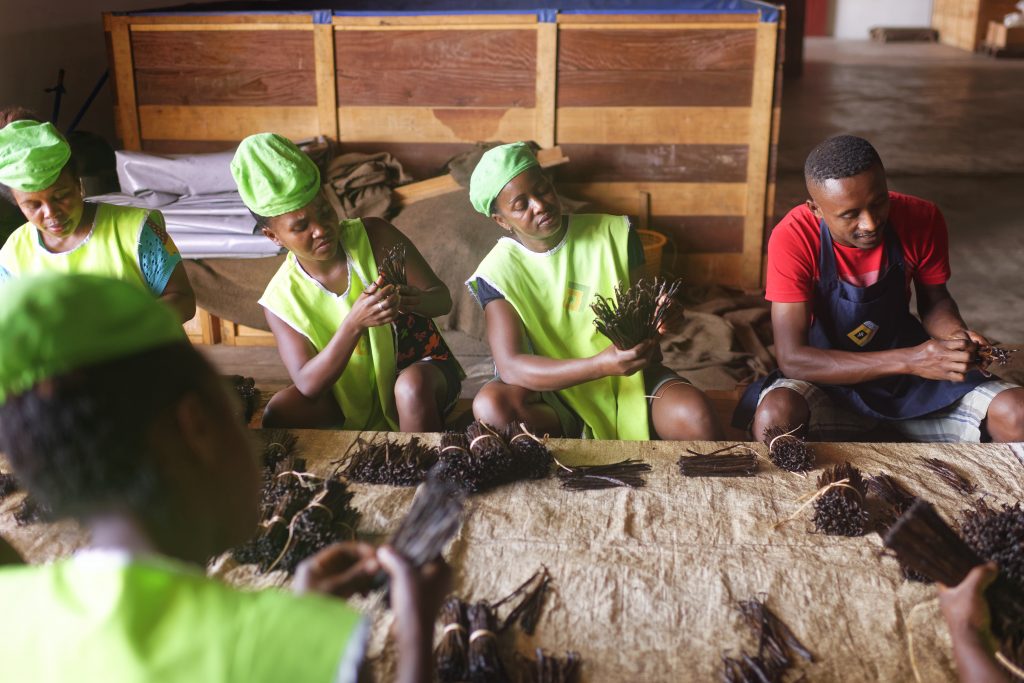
point(850, 353)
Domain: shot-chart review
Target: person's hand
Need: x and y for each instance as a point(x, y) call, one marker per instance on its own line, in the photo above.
point(375, 306)
point(965, 608)
point(614, 361)
point(341, 569)
point(938, 359)
point(974, 339)
point(674, 316)
point(410, 298)
point(416, 594)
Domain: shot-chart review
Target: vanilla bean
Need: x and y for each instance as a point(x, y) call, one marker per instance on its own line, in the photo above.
point(452, 653)
point(840, 509)
point(997, 535)
point(390, 462)
point(248, 395)
point(433, 519)
point(895, 499)
point(950, 476)
point(531, 596)
point(549, 668)
point(8, 484)
point(328, 518)
point(788, 451)
point(587, 477)
point(987, 356)
point(732, 462)
point(484, 662)
point(777, 648)
point(392, 266)
point(635, 314)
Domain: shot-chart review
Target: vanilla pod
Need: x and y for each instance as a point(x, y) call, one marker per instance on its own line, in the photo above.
point(485, 664)
point(839, 509)
point(452, 653)
point(548, 668)
point(635, 314)
point(390, 462)
point(788, 451)
point(629, 472)
point(731, 461)
point(950, 476)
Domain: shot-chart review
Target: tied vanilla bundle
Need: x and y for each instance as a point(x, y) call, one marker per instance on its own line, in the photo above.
point(636, 314)
point(839, 508)
point(787, 450)
point(777, 648)
point(390, 462)
point(484, 457)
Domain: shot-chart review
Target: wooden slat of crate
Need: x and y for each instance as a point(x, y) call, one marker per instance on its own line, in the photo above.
point(203, 328)
point(175, 122)
point(654, 125)
point(437, 124)
point(654, 162)
point(667, 199)
point(233, 334)
point(964, 23)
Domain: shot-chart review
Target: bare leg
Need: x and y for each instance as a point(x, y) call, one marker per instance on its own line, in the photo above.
point(780, 407)
point(1005, 418)
point(501, 404)
point(681, 412)
point(420, 393)
point(290, 408)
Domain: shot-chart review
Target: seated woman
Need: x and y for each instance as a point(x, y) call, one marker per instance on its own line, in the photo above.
point(361, 354)
point(557, 373)
point(65, 234)
point(109, 416)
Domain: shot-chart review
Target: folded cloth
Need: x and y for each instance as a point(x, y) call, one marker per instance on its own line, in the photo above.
point(363, 183)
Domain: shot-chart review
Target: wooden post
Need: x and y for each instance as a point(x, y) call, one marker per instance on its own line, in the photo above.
point(547, 74)
point(326, 80)
point(643, 211)
point(124, 81)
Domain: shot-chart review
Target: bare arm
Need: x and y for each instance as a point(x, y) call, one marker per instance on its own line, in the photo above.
point(425, 294)
point(967, 616)
point(941, 316)
point(799, 360)
point(507, 338)
point(315, 373)
point(178, 294)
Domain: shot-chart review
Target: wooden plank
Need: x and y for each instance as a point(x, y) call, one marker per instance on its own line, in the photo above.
point(124, 82)
point(654, 162)
point(437, 68)
point(425, 124)
point(187, 146)
point(655, 88)
point(706, 269)
point(326, 83)
point(214, 28)
point(653, 125)
point(601, 26)
point(219, 19)
point(703, 234)
point(582, 20)
point(758, 156)
point(667, 199)
point(471, 21)
point(444, 184)
point(167, 122)
point(546, 82)
point(227, 87)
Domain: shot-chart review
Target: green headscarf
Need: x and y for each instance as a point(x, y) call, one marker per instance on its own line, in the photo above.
point(54, 323)
point(497, 167)
point(273, 175)
point(32, 155)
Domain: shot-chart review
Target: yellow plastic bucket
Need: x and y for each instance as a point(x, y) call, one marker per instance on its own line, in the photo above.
point(654, 244)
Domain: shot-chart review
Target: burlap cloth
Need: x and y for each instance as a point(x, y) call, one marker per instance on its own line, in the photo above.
point(646, 580)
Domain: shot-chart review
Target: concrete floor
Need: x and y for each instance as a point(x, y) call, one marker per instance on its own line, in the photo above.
point(949, 126)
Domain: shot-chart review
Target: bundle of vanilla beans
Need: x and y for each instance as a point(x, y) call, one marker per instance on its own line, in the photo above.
point(300, 512)
point(922, 540)
point(997, 535)
point(483, 457)
point(391, 269)
point(988, 356)
point(390, 462)
point(634, 315)
point(894, 499)
point(433, 519)
point(839, 508)
point(8, 484)
point(248, 395)
point(629, 472)
point(469, 646)
point(949, 475)
point(787, 450)
point(731, 461)
point(777, 648)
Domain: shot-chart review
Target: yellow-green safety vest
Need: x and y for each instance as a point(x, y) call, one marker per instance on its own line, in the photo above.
point(552, 292)
point(366, 389)
point(103, 616)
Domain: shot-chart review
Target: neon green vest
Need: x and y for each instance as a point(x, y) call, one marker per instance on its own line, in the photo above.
point(111, 249)
point(552, 293)
point(366, 389)
point(103, 617)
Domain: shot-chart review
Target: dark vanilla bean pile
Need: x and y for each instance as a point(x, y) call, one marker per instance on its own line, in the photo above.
point(434, 518)
point(329, 517)
point(485, 664)
point(452, 653)
point(392, 267)
point(894, 500)
point(390, 462)
point(839, 509)
point(732, 461)
point(8, 484)
point(634, 315)
point(527, 602)
point(788, 451)
point(777, 650)
point(950, 476)
point(548, 668)
point(485, 457)
point(531, 457)
point(278, 444)
point(988, 356)
point(248, 395)
point(997, 535)
point(629, 472)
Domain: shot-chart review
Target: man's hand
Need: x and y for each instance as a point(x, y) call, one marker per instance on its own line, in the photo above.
point(941, 359)
point(341, 569)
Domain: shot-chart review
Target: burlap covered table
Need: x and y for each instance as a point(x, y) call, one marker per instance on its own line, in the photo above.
point(646, 580)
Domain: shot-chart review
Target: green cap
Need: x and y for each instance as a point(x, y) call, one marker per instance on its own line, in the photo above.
point(32, 155)
point(273, 175)
point(497, 167)
point(54, 323)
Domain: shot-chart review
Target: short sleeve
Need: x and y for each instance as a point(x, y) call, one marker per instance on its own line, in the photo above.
point(634, 248)
point(790, 273)
point(485, 293)
point(158, 255)
point(932, 249)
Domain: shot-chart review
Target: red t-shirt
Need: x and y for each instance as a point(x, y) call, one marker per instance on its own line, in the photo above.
point(795, 244)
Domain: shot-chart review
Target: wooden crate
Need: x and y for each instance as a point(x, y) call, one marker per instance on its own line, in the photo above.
point(203, 328)
point(964, 23)
point(1000, 36)
point(677, 109)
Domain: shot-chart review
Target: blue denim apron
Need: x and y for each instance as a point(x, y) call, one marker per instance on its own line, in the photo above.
point(872, 318)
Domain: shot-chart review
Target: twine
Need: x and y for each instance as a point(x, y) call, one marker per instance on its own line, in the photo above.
point(1010, 666)
point(668, 384)
point(486, 436)
point(273, 520)
point(282, 449)
point(771, 444)
point(455, 448)
point(842, 483)
point(480, 633)
point(452, 627)
point(527, 434)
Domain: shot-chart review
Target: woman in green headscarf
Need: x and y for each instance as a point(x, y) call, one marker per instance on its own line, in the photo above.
point(66, 234)
point(362, 356)
point(556, 372)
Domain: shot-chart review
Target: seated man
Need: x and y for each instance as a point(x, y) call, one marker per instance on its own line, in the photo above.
point(851, 355)
point(110, 417)
point(558, 374)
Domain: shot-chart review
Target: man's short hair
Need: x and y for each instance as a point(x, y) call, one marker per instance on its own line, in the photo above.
point(841, 156)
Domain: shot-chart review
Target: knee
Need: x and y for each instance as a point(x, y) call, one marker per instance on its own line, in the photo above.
point(782, 407)
point(289, 408)
point(414, 387)
point(691, 417)
point(276, 412)
point(490, 405)
point(1006, 416)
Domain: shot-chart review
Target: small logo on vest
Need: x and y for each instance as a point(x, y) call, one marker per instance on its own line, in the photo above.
point(575, 296)
point(864, 333)
point(362, 347)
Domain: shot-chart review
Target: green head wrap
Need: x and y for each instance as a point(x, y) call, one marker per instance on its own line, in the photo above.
point(273, 175)
point(496, 168)
point(32, 155)
point(53, 324)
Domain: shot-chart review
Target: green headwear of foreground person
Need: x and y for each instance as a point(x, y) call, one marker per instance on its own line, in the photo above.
point(32, 155)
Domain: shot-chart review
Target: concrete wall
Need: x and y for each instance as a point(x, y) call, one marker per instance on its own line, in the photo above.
point(38, 37)
point(854, 18)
